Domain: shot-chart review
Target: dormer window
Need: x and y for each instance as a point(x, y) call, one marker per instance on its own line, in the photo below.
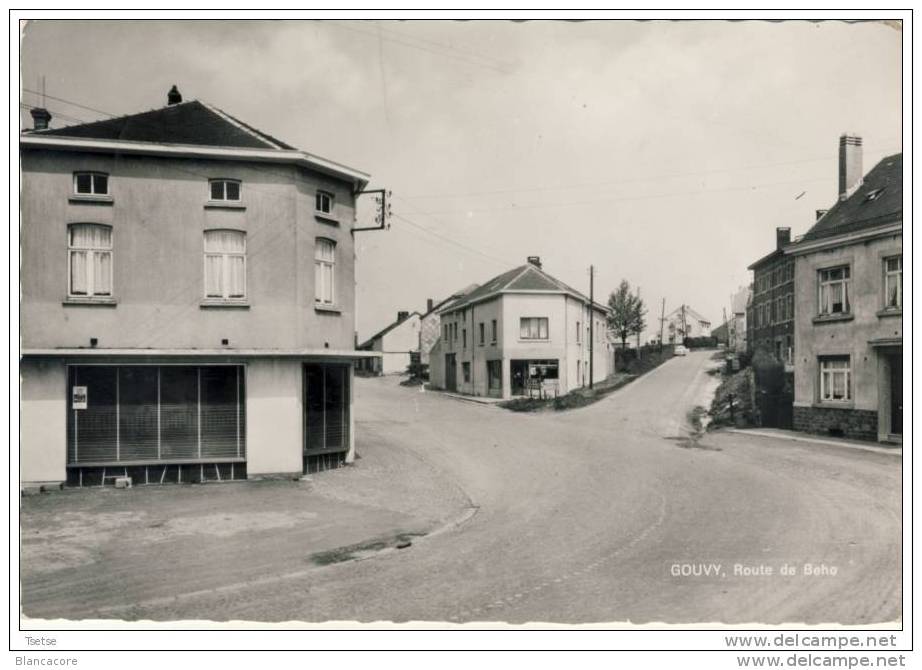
point(874, 195)
point(91, 183)
point(224, 190)
point(324, 202)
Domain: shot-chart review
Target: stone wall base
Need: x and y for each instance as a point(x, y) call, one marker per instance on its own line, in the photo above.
point(854, 424)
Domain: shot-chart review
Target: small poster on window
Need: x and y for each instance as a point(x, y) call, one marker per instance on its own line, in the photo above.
point(78, 401)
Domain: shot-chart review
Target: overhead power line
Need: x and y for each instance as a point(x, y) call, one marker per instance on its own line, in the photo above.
point(420, 47)
point(632, 180)
point(55, 113)
point(69, 102)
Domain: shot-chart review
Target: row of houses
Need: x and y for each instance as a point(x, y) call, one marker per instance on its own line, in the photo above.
point(188, 306)
point(522, 331)
point(829, 305)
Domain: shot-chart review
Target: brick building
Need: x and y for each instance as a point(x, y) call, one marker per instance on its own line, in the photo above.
point(770, 318)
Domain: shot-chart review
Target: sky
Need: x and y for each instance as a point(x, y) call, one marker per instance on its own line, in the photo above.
point(663, 153)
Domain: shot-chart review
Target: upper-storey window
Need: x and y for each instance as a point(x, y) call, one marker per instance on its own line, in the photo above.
point(224, 190)
point(533, 328)
point(324, 265)
point(90, 251)
point(225, 264)
point(91, 183)
point(324, 202)
point(834, 284)
point(893, 282)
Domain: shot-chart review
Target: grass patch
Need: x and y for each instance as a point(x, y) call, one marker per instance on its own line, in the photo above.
point(577, 398)
point(354, 551)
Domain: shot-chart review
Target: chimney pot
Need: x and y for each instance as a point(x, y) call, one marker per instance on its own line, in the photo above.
point(850, 173)
point(402, 315)
point(174, 97)
point(429, 304)
point(535, 260)
point(41, 117)
point(782, 237)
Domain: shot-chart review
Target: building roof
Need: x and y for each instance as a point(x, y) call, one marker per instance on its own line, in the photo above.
point(385, 331)
point(689, 313)
point(773, 255)
point(191, 122)
point(524, 278)
point(878, 201)
point(446, 303)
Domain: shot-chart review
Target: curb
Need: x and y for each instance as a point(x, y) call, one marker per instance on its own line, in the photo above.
point(889, 451)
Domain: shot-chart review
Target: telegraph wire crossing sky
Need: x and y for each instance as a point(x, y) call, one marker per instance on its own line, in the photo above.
point(649, 150)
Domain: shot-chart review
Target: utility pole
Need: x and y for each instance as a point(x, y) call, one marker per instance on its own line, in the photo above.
point(591, 318)
point(662, 324)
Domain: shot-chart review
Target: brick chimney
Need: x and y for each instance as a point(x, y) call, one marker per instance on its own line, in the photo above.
point(429, 304)
point(402, 315)
point(535, 260)
point(850, 175)
point(174, 97)
point(41, 117)
point(782, 237)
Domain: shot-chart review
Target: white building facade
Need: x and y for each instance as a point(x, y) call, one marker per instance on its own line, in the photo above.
point(521, 333)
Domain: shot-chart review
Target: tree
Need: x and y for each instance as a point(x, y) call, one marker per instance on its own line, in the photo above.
point(627, 313)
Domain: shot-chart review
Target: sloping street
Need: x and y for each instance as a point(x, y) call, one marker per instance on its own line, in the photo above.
point(596, 515)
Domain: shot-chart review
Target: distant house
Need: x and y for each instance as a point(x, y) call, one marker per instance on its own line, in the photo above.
point(738, 326)
point(849, 310)
point(684, 322)
point(430, 323)
point(771, 326)
point(397, 344)
point(721, 333)
point(520, 332)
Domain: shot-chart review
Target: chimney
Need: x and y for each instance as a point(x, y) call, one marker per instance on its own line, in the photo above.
point(782, 237)
point(820, 213)
point(41, 117)
point(850, 175)
point(402, 315)
point(174, 97)
point(535, 260)
point(429, 304)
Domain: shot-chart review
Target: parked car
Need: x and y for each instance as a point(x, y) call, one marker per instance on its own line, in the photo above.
point(680, 350)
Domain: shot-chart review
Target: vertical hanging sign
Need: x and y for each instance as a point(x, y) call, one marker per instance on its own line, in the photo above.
point(78, 399)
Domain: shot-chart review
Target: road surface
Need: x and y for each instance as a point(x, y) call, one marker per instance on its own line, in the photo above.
point(596, 515)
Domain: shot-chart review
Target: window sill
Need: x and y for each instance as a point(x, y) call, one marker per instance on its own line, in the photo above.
point(834, 404)
point(89, 199)
point(92, 302)
point(329, 309)
point(221, 204)
point(533, 341)
point(832, 318)
point(884, 313)
point(224, 304)
point(326, 218)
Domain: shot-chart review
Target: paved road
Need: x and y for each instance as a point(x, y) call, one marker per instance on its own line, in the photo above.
point(582, 516)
